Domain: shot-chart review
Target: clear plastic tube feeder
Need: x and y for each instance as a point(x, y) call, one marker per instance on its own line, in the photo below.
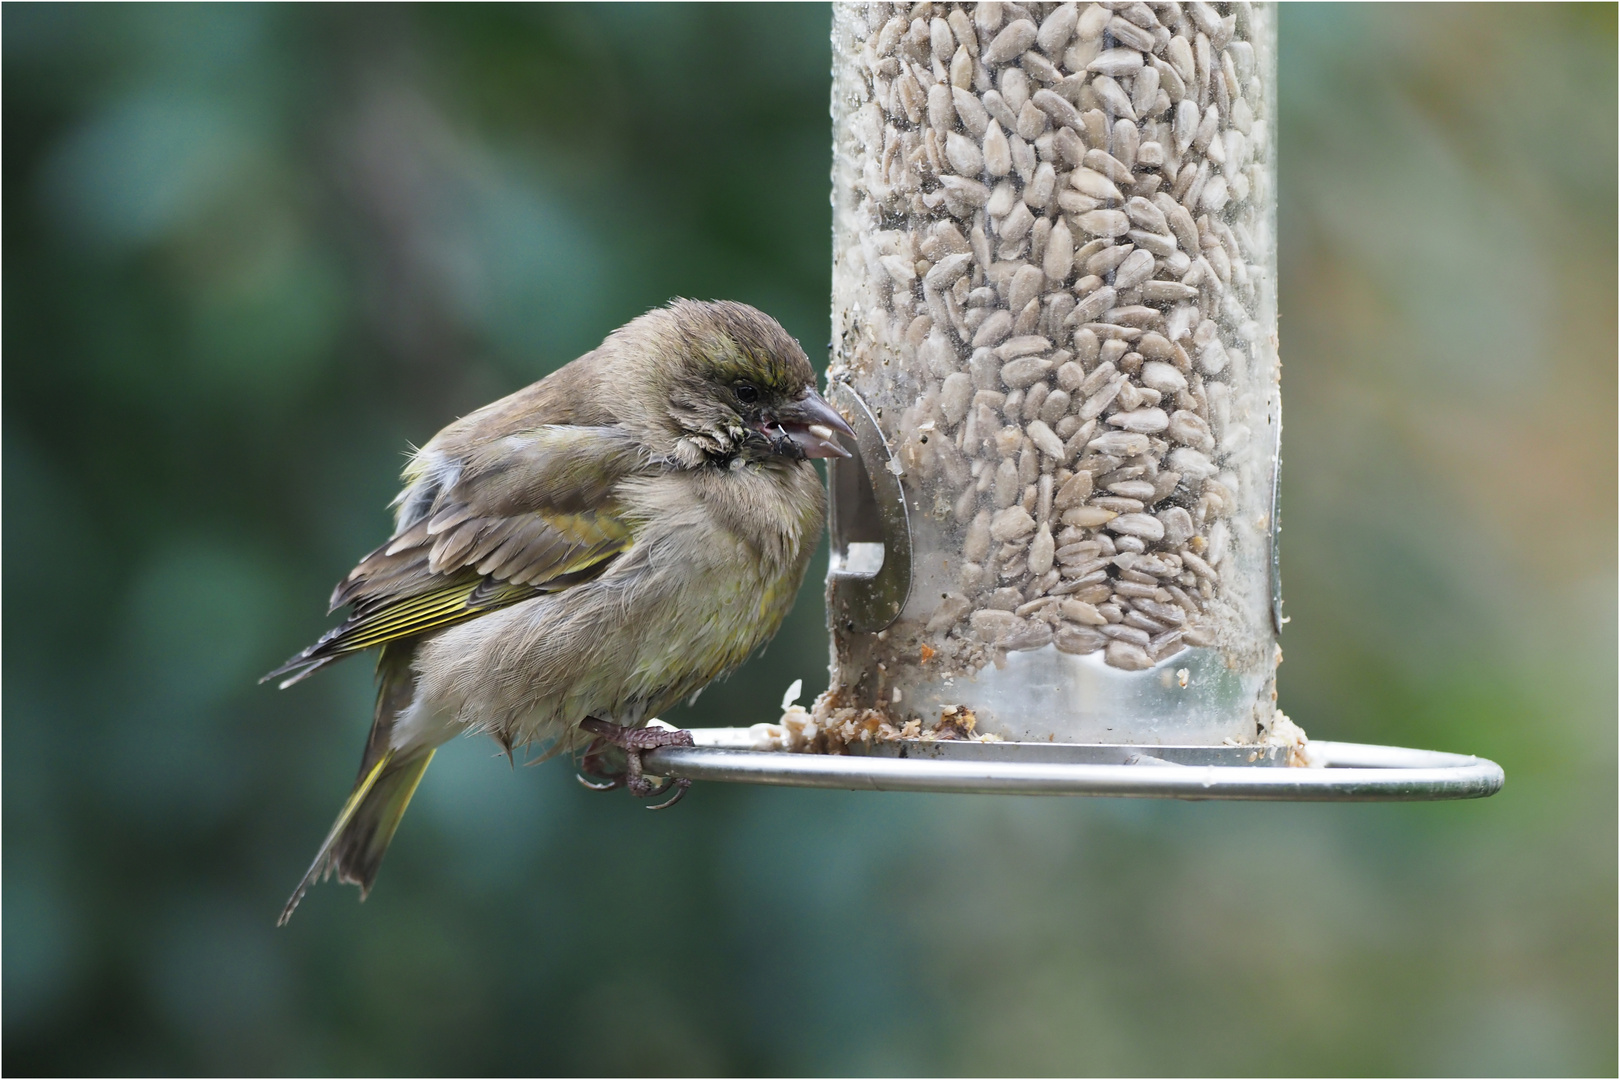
point(1055, 297)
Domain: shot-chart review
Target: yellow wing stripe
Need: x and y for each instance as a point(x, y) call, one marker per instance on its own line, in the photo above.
point(577, 543)
point(451, 604)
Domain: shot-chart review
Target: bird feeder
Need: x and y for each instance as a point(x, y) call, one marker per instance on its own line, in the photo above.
point(1054, 557)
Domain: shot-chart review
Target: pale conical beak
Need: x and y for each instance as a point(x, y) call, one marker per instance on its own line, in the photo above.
point(813, 426)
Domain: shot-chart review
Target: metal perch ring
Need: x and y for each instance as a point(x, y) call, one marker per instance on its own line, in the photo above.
point(1335, 771)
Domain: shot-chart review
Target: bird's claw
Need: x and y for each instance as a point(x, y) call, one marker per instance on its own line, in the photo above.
point(591, 775)
point(635, 741)
point(680, 784)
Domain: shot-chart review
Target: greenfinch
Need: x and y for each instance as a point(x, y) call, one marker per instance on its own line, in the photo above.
point(576, 557)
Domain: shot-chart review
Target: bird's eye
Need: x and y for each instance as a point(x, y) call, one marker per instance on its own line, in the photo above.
point(747, 393)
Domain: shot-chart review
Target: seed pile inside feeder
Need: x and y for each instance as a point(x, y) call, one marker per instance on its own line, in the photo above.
point(1061, 244)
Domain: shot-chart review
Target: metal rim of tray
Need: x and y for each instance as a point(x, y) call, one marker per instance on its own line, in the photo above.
point(1334, 771)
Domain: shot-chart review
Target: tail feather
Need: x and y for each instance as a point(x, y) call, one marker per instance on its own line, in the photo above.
point(359, 838)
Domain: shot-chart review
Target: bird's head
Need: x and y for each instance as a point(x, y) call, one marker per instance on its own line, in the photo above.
point(733, 383)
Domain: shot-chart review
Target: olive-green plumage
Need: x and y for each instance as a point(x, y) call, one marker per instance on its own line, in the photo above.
point(602, 544)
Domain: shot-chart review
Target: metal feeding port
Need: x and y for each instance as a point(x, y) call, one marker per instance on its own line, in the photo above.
point(1054, 311)
point(869, 570)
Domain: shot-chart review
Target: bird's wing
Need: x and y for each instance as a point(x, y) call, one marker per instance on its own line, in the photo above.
point(481, 529)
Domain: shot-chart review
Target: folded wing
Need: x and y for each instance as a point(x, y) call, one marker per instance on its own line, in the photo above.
point(479, 530)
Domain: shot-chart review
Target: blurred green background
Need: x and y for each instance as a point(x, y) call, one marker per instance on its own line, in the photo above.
point(251, 253)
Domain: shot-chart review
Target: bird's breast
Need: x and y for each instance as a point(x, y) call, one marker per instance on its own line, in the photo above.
point(719, 560)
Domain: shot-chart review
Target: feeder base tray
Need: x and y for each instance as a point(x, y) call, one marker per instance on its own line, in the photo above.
point(1333, 771)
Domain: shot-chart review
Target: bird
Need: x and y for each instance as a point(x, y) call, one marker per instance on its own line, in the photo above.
point(574, 558)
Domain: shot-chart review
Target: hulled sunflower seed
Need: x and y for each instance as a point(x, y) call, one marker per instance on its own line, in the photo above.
point(1016, 37)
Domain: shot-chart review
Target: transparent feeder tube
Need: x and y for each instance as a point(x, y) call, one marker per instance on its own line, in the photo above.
point(1054, 307)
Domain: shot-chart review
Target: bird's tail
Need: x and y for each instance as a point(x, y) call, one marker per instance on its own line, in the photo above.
point(359, 838)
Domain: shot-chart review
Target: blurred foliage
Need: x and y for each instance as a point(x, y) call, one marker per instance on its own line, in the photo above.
point(252, 253)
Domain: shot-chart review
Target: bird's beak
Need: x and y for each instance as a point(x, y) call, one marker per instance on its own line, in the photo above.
point(813, 427)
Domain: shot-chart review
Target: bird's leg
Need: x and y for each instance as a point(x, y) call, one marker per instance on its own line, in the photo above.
point(633, 741)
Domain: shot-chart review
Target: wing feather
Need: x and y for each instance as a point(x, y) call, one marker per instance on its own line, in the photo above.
point(502, 533)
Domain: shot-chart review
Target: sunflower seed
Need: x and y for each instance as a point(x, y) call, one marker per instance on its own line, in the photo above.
point(1017, 223)
point(1162, 245)
point(1171, 83)
point(1040, 551)
point(1140, 621)
point(1134, 269)
point(949, 612)
point(1057, 108)
point(1165, 613)
point(1119, 504)
point(1087, 516)
point(1120, 444)
point(1112, 223)
point(1055, 407)
point(1077, 639)
point(1140, 14)
point(997, 154)
point(1128, 655)
point(1149, 421)
point(1094, 184)
point(954, 396)
point(1180, 54)
point(1015, 522)
point(1038, 193)
point(1178, 526)
point(1023, 346)
point(1104, 259)
point(1045, 440)
point(1160, 376)
point(1081, 612)
point(1058, 27)
point(1208, 125)
point(1010, 42)
point(1145, 90)
point(1189, 429)
point(1167, 292)
point(1093, 20)
point(1138, 525)
point(963, 196)
point(1117, 62)
point(1129, 34)
point(970, 111)
point(1114, 100)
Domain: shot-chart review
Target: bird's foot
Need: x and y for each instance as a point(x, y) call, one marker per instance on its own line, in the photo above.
point(633, 741)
